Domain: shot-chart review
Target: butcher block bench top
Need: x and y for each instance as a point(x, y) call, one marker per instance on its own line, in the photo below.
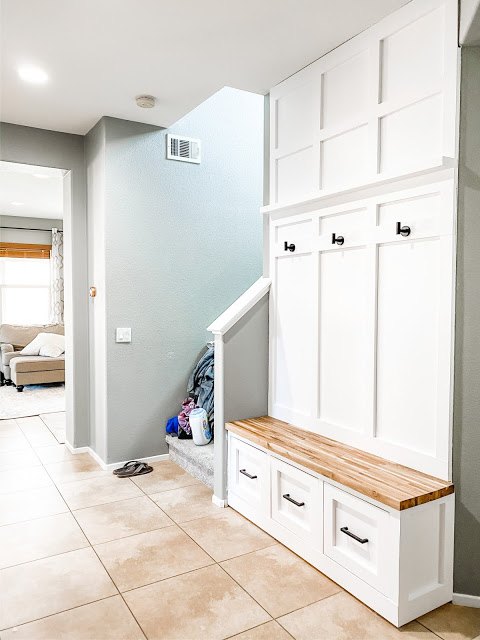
point(391, 484)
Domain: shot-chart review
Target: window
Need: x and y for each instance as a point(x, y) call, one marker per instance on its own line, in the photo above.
point(24, 290)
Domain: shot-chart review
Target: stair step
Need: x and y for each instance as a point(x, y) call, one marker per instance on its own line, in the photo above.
point(198, 461)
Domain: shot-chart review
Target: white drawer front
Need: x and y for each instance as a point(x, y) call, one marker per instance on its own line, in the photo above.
point(296, 502)
point(358, 536)
point(248, 474)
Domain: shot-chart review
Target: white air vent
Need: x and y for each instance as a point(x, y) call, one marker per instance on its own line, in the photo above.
point(183, 149)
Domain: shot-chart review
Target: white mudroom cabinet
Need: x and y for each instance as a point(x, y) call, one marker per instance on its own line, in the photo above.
point(352, 466)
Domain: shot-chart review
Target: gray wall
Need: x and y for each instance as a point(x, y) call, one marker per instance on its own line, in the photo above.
point(95, 161)
point(466, 446)
point(246, 365)
point(43, 148)
point(182, 242)
point(23, 234)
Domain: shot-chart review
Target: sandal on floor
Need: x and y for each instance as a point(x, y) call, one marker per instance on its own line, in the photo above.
point(139, 469)
point(127, 465)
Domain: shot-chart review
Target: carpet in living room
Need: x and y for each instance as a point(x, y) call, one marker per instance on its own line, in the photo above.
point(32, 401)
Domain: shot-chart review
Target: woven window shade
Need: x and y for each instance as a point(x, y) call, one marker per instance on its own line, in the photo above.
point(18, 250)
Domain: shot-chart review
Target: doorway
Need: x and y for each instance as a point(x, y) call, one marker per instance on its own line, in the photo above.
point(32, 301)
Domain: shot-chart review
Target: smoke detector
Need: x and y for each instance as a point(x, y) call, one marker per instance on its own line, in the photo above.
point(145, 102)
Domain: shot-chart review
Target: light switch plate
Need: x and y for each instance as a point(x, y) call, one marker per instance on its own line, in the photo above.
point(124, 334)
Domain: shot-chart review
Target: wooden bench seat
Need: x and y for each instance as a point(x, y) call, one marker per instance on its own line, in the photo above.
point(391, 484)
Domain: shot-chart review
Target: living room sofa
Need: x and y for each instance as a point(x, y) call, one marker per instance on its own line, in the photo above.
point(21, 370)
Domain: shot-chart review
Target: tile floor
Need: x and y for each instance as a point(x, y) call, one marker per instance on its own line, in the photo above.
point(87, 556)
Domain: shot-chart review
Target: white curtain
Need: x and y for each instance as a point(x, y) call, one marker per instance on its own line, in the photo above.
point(56, 278)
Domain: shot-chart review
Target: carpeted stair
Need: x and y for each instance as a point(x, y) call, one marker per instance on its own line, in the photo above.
point(196, 460)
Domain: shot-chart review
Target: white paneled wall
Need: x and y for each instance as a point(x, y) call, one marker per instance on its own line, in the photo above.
point(381, 106)
point(361, 333)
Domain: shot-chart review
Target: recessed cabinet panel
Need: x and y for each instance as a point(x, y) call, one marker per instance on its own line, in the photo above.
point(344, 159)
point(293, 232)
point(293, 352)
point(345, 91)
point(295, 174)
point(344, 223)
point(343, 376)
point(414, 212)
point(409, 138)
point(295, 118)
point(357, 536)
point(248, 474)
point(297, 502)
point(408, 344)
point(412, 63)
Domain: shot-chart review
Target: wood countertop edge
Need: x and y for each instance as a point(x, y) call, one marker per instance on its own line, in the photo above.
point(399, 502)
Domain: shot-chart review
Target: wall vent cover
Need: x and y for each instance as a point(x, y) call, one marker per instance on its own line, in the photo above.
point(183, 149)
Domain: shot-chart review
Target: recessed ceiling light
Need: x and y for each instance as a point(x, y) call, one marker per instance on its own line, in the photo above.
point(15, 203)
point(31, 74)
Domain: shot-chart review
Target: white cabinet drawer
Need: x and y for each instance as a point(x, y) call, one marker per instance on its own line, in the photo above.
point(248, 474)
point(296, 502)
point(359, 537)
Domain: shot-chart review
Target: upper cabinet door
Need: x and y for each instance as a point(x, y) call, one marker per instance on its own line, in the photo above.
point(380, 106)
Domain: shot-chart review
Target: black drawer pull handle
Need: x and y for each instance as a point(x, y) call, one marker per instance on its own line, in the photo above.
point(352, 535)
point(403, 231)
point(337, 239)
point(297, 504)
point(245, 473)
point(288, 247)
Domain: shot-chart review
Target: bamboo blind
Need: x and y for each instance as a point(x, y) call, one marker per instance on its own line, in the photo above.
point(18, 250)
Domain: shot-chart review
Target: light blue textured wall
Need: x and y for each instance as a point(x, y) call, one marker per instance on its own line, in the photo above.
point(183, 241)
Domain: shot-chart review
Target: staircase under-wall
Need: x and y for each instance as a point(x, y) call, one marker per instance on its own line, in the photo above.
point(198, 461)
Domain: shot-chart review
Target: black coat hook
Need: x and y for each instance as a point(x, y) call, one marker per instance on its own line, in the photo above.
point(403, 231)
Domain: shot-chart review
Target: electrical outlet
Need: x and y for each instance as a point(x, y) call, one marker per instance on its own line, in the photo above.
point(124, 334)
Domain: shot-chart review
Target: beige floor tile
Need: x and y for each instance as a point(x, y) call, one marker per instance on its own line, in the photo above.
point(227, 535)
point(268, 631)
point(21, 460)
point(24, 479)
point(203, 604)
point(147, 557)
point(88, 493)
point(35, 431)
point(27, 505)
point(14, 441)
point(9, 427)
point(342, 617)
point(186, 503)
point(279, 580)
point(166, 475)
point(58, 453)
point(54, 421)
point(41, 588)
point(72, 470)
point(107, 619)
point(115, 520)
point(40, 538)
point(452, 622)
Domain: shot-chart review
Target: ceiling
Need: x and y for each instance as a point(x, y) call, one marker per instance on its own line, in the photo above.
point(100, 54)
point(38, 191)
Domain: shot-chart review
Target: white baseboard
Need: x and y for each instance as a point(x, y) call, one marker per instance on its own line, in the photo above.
point(219, 503)
point(76, 450)
point(464, 600)
point(112, 465)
